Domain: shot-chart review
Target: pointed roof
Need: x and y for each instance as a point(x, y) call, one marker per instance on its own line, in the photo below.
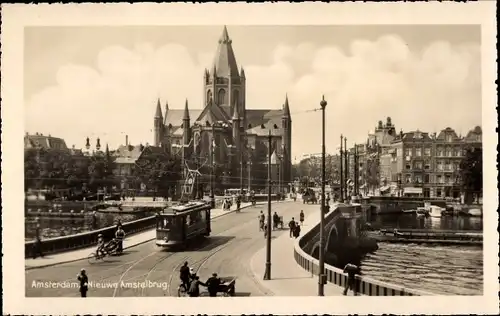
point(166, 113)
point(236, 112)
point(212, 113)
point(286, 107)
point(186, 111)
point(242, 72)
point(158, 110)
point(225, 62)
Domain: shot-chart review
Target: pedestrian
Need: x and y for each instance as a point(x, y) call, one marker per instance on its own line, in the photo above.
point(37, 246)
point(301, 217)
point(291, 225)
point(194, 287)
point(351, 270)
point(296, 231)
point(120, 235)
point(84, 282)
point(213, 285)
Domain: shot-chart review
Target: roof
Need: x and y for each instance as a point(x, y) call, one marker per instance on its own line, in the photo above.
point(127, 154)
point(175, 116)
point(212, 113)
point(416, 136)
point(46, 142)
point(444, 132)
point(225, 61)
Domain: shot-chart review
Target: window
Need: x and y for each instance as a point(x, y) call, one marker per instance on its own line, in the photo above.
point(418, 179)
point(439, 192)
point(427, 165)
point(408, 166)
point(440, 151)
point(449, 137)
point(407, 152)
point(418, 165)
point(418, 152)
point(439, 179)
point(408, 178)
point(427, 151)
point(447, 166)
point(440, 166)
point(448, 179)
point(427, 178)
point(221, 98)
point(209, 96)
point(448, 151)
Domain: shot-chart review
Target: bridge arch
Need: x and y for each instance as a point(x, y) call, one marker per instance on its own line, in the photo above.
point(333, 236)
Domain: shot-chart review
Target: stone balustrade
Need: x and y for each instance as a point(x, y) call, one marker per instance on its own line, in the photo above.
point(365, 286)
point(82, 240)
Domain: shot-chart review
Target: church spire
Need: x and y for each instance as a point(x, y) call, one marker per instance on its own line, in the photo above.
point(186, 111)
point(225, 61)
point(158, 113)
point(286, 107)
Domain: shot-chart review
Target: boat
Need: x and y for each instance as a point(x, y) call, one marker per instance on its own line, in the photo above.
point(476, 212)
point(421, 211)
point(435, 211)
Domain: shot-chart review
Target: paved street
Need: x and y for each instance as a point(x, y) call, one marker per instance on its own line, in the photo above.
point(235, 239)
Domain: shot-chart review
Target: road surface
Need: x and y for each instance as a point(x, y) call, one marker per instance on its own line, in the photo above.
point(146, 270)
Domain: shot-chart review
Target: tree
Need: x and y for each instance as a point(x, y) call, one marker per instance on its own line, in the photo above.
point(259, 165)
point(471, 173)
point(158, 171)
point(100, 171)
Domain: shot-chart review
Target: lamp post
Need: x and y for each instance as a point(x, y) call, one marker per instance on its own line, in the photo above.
point(341, 170)
point(212, 172)
point(321, 274)
point(267, 273)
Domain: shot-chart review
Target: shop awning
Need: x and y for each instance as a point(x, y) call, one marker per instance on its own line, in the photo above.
point(412, 190)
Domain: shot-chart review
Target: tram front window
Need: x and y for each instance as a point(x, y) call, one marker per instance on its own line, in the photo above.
point(165, 223)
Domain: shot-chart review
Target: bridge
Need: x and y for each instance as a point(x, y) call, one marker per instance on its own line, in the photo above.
point(154, 271)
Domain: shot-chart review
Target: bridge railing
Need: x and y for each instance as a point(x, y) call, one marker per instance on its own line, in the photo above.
point(86, 239)
point(365, 286)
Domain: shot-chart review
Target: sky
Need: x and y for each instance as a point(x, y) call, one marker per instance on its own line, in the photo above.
point(105, 81)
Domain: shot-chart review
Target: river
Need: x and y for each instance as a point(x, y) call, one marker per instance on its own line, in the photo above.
point(446, 270)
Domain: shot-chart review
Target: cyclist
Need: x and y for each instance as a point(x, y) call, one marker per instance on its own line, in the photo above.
point(100, 246)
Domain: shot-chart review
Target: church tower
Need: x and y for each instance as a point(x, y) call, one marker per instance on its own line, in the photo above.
point(225, 84)
point(286, 140)
point(158, 125)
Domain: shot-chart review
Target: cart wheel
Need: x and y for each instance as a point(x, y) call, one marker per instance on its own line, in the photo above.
point(92, 258)
point(181, 291)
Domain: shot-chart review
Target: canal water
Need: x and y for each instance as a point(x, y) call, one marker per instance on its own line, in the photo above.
point(445, 270)
point(63, 226)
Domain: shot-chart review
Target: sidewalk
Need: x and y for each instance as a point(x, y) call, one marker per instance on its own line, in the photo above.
point(287, 277)
point(130, 241)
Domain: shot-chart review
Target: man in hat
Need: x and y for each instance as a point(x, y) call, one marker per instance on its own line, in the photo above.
point(213, 285)
point(84, 282)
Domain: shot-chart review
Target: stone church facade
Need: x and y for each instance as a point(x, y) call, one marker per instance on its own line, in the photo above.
point(226, 133)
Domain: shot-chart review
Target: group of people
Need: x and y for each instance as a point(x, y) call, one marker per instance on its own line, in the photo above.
point(191, 282)
point(294, 226)
point(115, 243)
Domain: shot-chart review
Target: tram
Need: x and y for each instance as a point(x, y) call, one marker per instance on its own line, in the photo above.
point(178, 224)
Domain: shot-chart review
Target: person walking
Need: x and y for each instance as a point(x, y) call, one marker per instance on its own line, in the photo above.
point(296, 231)
point(84, 282)
point(291, 225)
point(37, 246)
point(351, 270)
point(120, 235)
point(213, 285)
point(301, 217)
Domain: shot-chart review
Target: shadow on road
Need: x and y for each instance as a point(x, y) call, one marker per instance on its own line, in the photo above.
point(209, 243)
point(242, 294)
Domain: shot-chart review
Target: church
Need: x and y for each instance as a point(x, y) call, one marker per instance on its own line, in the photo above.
point(226, 136)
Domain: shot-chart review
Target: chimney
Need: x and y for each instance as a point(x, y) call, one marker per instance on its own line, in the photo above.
point(126, 140)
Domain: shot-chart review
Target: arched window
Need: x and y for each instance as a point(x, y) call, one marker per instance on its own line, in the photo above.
point(221, 98)
point(209, 96)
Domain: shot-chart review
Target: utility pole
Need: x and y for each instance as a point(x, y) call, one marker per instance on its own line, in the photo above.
point(341, 170)
point(346, 167)
point(321, 274)
point(267, 274)
point(212, 171)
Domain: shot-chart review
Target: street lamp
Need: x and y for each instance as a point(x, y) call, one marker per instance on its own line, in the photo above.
point(321, 274)
point(267, 273)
